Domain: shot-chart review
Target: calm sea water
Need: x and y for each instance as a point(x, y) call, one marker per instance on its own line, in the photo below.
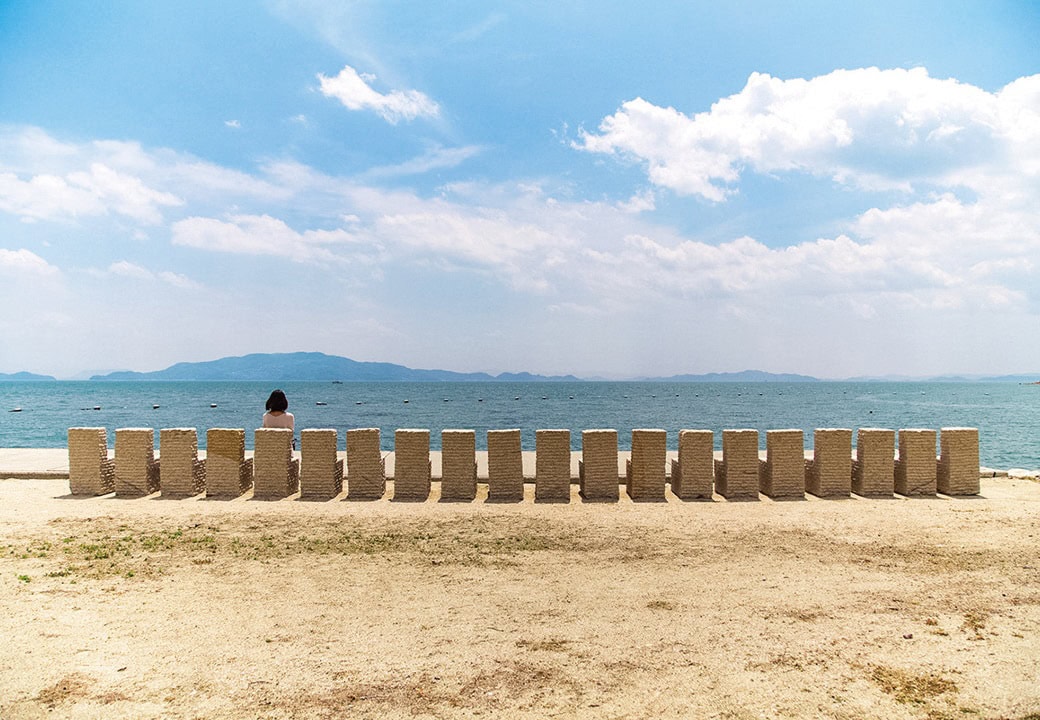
point(1007, 414)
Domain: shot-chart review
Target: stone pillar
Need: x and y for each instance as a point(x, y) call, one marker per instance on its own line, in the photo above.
point(958, 468)
point(91, 472)
point(183, 474)
point(505, 466)
point(458, 465)
point(366, 475)
point(916, 466)
point(228, 473)
point(411, 465)
point(829, 473)
point(321, 471)
point(645, 471)
point(137, 472)
point(693, 474)
point(736, 475)
point(276, 474)
point(873, 471)
point(552, 482)
point(782, 473)
point(598, 469)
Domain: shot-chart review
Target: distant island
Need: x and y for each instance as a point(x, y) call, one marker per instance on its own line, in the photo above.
point(315, 367)
point(24, 377)
point(320, 367)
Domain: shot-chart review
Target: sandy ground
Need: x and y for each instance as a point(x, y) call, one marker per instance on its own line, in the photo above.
point(152, 608)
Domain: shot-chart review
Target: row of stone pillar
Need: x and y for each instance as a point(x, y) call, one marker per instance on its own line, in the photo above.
point(786, 471)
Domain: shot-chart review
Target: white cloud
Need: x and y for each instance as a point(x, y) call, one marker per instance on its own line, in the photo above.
point(258, 235)
point(233, 124)
point(124, 268)
point(355, 93)
point(436, 158)
point(877, 129)
point(25, 263)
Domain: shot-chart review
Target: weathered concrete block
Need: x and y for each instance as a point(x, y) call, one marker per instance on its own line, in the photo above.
point(782, 473)
point(321, 470)
point(736, 475)
point(873, 470)
point(458, 465)
point(411, 464)
point(182, 474)
point(505, 466)
point(228, 473)
point(552, 482)
point(366, 471)
point(598, 477)
point(645, 471)
point(91, 471)
point(693, 473)
point(829, 473)
point(137, 472)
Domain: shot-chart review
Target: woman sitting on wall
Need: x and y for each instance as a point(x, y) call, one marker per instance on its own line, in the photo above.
point(276, 415)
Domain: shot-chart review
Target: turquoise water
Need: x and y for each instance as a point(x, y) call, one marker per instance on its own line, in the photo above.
point(1007, 414)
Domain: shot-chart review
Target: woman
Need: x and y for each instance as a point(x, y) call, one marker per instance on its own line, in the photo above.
point(276, 415)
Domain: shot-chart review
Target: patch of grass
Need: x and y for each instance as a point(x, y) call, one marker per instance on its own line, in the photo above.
point(910, 688)
point(24, 578)
point(550, 645)
point(102, 547)
point(974, 623)
point(661, 605)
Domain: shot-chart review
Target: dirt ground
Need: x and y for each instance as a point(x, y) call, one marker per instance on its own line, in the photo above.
point(151, 608)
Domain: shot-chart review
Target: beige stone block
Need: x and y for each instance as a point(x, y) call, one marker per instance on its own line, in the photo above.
point(693, 473)
point(321, 470)
point(598, 470)
point(229, 474)
point(915, 469)
point(957, 472)
point(366, 472)
point(645, 470)
point(411, 464)
point(505, 466)
point(782, 473)
point(276, 474)
point(458, 465)
point(137, 472)
point(873, 470)
point(829, 472)
point(91, 472)
point(182, 473)
point(552, 482)
point(736, 475)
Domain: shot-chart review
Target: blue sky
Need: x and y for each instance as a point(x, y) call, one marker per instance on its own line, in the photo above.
point(606, 189)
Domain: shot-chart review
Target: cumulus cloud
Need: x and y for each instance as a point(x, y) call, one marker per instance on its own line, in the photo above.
point(98, 189)
point(870, 128)
point(355, 93)
point(25, 263)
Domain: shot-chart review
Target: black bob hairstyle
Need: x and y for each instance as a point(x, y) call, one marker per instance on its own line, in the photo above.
point(277, 402)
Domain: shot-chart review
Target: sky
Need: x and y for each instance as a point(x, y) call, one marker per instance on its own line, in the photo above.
point(605, 189)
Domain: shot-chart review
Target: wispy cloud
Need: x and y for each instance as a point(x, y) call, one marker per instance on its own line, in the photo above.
point(436, 158)
point(355, 93)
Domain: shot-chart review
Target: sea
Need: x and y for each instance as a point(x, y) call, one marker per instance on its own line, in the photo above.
point(38, 414)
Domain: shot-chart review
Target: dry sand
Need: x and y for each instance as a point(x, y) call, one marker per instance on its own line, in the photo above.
point(150, 608)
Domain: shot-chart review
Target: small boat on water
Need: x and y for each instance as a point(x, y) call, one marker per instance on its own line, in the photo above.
point(212, 405)
point(321, 403)
point(155, 407)
point(17, 409)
